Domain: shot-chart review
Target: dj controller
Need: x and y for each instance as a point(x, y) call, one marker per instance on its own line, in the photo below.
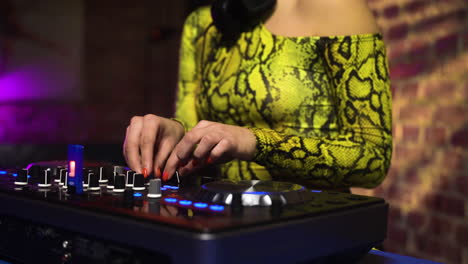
point(118, 216)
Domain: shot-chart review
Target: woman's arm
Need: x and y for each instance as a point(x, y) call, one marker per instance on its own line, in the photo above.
point(189, 68)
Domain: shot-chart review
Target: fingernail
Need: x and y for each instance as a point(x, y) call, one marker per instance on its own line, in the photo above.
point(209, 160)
point(145, 172)
point(165, 176)
point(158, 173)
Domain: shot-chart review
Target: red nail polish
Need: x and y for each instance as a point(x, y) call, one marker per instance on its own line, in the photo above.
point(158, 173)
point(145, 172)
point(165, 176)
point(209, 160)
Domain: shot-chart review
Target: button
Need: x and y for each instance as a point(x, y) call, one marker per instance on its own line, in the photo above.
point(104, 174)
point(86, 176)
point(45, 179)
point(22, 178)
point(130, 178)
point(154, 189)
point(138, 182)
point(63, 175)
point(111, 181)
point(35, 172)
point(56, 173)
point(119, 183)
point(93, 182)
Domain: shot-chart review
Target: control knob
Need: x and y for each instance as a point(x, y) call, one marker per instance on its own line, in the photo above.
point(138, 182)
point(119, 183)
point(154, 189)
point(93, 182)
point(45, 179)
point(22, 178)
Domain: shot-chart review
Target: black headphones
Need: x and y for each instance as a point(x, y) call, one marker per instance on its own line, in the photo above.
point(232, 17)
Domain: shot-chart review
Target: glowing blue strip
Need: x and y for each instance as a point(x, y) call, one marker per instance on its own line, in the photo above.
point(170, 200)
point(171, 187)
point(200, 205)
point(163, 189)
point(316, 191)
point(137, 194)
point(185, 202)
point(3, 172)
point(259, 193)
point(216, 207)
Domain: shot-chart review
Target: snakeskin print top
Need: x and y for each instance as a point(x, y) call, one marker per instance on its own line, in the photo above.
point(320, 107)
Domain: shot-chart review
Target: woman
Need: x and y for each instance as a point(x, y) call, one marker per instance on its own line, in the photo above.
point(292, 90)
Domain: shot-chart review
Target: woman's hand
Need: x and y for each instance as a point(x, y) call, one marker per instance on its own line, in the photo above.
point(149, 141)
point(207, 143)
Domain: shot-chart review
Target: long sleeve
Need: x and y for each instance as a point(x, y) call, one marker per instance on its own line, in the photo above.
point(189, 69)
point(360, 153)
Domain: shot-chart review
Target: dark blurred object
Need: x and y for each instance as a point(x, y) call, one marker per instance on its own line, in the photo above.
point(232, 17)
point(197, 3)
point(19, 156)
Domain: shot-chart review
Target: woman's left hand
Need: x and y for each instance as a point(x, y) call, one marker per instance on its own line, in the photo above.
point(207, 143)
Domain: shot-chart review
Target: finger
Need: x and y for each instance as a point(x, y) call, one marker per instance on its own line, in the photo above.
point(163, 151)
point(207, 143)
point(180, 154)
point(185, 148)
point(148, 140)
point(132, 142)
point(221, 150)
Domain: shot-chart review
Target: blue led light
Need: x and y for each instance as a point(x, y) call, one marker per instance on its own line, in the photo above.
point(185, 202)
point(170, 187)
point(259, 193)
point(170, 200)
point(137, 194)
point(316, 191)
point(216, 207)
point(200, 205)
point(15, 174)
point(29, 176)
point(163, 188)
point(3, 172)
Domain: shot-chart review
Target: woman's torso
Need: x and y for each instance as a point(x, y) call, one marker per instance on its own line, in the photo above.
point(266, 81)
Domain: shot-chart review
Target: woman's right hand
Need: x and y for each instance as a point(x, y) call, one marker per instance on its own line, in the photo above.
point(149, 141)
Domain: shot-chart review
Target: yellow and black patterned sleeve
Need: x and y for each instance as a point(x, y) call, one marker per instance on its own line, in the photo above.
point(189, 70)
point(359, 153)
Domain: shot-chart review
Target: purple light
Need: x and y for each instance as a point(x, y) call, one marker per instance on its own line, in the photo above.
point(38, 81)
point(20, 85)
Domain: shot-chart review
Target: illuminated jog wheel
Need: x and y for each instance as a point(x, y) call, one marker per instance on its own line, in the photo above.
point(253, 193)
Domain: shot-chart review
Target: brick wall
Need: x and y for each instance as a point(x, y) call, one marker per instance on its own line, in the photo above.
point(427, 186)
point(126, 71)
